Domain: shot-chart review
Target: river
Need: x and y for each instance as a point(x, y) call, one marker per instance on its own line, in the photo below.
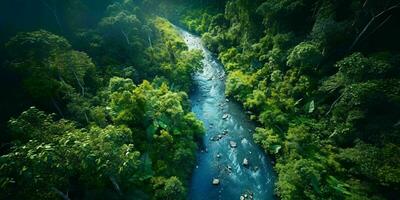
point(227, 126)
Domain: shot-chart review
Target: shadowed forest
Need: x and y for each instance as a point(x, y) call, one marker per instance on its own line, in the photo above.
point(96, 101)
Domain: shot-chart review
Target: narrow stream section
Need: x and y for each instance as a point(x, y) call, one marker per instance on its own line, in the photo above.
point(229, 165)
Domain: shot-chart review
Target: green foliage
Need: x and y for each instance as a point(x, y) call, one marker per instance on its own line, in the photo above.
point(127, 106)
point(35, 124)
point(170, 35)
point(115, 136)
point(49, 67)
point(305, 56)
point(239, 85)
point(171, 57)
point(154, 121)
point(195, 23)
point(299, 179)
point(287, 14)
point(329, 29)
point(49, 161)
point(357, 68)
point(164, 121)
point(339, 186)
point(380, 164)
point(168, 188)
point(327, 114)
point(37, 48)
point(121, 35)
point(268, 140)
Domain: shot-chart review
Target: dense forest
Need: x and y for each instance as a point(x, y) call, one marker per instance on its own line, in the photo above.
point(96, 105)
point(101, 88)
point(322, 80)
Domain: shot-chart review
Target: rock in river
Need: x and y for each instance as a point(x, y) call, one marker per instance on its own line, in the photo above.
point(232, 144)
point(215, 181)
point(225, 116)
point(245, 162)
point(216, 138)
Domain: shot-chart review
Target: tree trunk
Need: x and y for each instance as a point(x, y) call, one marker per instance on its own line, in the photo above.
point(149, 38)
point(115, 184)
point(334, 103)
point(54, 12)
point(86, 117)
point(126, 37)
point(371, 22)
point(79, 83)
point(57, 107)
point(61, 194)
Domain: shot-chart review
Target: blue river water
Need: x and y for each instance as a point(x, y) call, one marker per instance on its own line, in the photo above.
point(229, 157)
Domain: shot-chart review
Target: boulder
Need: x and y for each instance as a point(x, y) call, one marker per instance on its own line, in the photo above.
point(216, 137)
point(232, 144)
point(245, 162)
point(225, 116)
point(215, 181)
